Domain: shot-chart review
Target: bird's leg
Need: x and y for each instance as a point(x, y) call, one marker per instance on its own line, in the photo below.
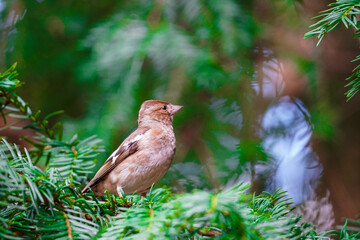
point(119, 191)
point(144, 192)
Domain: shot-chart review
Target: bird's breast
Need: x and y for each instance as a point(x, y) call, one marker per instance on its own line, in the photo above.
point(161, 147)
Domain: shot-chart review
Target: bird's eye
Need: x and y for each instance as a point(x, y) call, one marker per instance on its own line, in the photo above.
point(163, 107)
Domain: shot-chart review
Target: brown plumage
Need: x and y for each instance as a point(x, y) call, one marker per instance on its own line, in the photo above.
point(143, 157)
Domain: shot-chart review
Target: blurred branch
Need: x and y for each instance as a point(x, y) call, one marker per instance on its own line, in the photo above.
point(207, 160)
point(176, 85)
point(6, 26)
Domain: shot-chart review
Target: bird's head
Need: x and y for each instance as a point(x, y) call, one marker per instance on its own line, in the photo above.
point(158, 111)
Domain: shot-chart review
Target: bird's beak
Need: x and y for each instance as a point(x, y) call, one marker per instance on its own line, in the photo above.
point(175, 108)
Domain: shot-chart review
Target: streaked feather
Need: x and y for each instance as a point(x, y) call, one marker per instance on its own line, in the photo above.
point(126, 149)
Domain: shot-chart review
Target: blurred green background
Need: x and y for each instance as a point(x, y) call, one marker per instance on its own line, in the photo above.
point(262, 104)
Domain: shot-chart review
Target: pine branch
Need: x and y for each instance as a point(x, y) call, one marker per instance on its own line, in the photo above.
point(36, 203)
point(12, 105)
point(342, 11)
point(346, 12)
point(354, 81)
point(74, 159)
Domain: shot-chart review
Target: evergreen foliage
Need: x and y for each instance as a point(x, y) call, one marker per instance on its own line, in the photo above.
point(345, 12)
point(39, 203)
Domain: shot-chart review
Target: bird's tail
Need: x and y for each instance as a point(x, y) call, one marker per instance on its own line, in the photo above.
point(86, 189)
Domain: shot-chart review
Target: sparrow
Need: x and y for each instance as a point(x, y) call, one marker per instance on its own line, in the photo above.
point(143, 157)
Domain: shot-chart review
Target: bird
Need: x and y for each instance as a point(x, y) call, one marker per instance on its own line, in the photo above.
point(143, 157)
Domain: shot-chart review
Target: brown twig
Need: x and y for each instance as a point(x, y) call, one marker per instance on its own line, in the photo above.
point(68, 226)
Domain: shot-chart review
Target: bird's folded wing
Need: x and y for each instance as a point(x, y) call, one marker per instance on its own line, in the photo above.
point(127, 148)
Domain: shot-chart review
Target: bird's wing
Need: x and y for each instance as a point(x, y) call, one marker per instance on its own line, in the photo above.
point(127, 148)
